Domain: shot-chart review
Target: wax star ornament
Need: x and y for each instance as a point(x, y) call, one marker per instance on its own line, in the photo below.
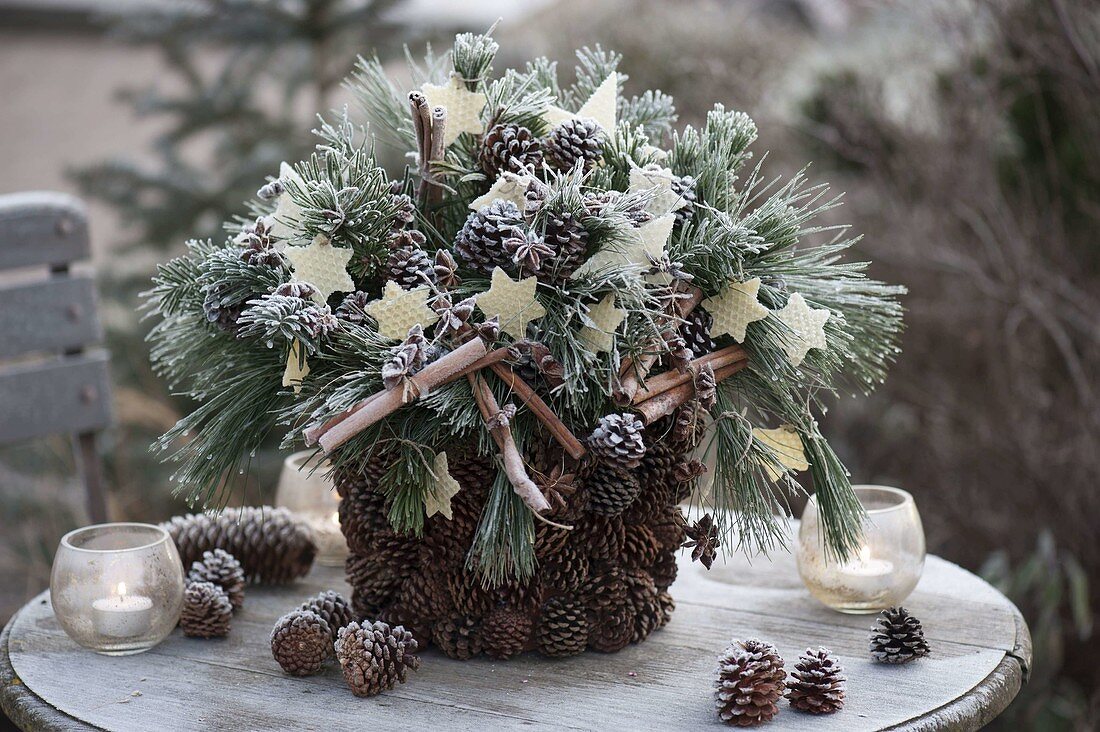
point(463, 107)
point(659, 181)
point(399, 310)
point(807, 327)
point(787, 446)
point(644, 245)
point(603, 319)
point(296, 368)
point(599, 107)
point(287, 212)
point(444, 488)
point(513, 301)
point(508, 187)
point(734, 308)
point(323, 266)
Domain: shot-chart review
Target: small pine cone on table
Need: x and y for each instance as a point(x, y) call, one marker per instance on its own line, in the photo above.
point(816, 685)
point(695, 331)
point(409, 267)
point(611, 489)
point(509, 148)
point(619, 439)
point(563, 628)
point(750, 681)
point(222, 569)
point(207, 611)
point(898, 637)
point(375, 657)
point(333, 607)
point(482, 242)
point(301, 641)
point(459, 637)
point(506, 631)
point(574, 142)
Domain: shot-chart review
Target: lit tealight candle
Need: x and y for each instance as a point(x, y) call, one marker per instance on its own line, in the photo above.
point(122, 615)
point(867, 575)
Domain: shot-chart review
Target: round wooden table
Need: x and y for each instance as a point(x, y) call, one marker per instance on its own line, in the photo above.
point(981, 654)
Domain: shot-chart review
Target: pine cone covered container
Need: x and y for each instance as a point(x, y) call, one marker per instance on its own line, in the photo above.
point(898, 637)
point(750, 683)
point(206, 611)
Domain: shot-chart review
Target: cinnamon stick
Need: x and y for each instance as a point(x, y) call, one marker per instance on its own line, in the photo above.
point(632, 374)
point(514, 468)
point(541, 410)
point(385, 403)
point(672, 379)
point(666, 402)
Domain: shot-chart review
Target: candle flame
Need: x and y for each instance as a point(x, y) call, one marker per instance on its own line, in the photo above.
point(864, 554)
point(121, 589)
point(335, 518)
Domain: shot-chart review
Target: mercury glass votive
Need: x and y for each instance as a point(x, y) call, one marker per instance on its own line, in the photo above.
point(117, 588)
point(887, 565)
point(305, 490)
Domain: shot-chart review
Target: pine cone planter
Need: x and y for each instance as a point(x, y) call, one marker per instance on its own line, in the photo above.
point(750, 682)
point(301, 641)
point(898, 637)
point(375, 657)
point(816, 685)
point(206, 611)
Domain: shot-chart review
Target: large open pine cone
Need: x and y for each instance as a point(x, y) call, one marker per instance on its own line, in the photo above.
point(270, 543)
point(509, 148)
point(482, 242)
point(222, 569)
point(816, 685)
point(410, 267)
point(301, 641)
point(574, 142)
point(618, 439)
point(206, 611)
point(750, 681)
point(375, 657)
point(563, 628)
point(331, 606)
point(898, 637)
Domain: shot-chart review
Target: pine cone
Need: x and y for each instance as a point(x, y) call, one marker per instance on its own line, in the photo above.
point(563, 628)
point(374, 583)
point(354, 307)
point(603, 535)
point(459, 637)
point(468, 594)
point(618, 439)
point(611, 489)
point(689, 423)
point(566, 570)
point(816, 684)
point(331, 606)
point(564, 234)
point(270, 543)
point(222, 569)
point(640, 548)
point(702, 539)
point(664, 570)
point(220, 309)
point(301, 641)
point(410, 267)
point(898, 637)
point(642, 597)
point(481, 244)
point(206, 611)
point(685, 187)
point(375, 657)
point(506, 631)
point(509, 148)
point(363, 515)
point(750, 682)
point(695, 331)
point(667, 605)
point(574, 142)
point(613, 615)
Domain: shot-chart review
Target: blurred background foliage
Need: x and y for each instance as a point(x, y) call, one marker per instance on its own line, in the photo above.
point(965, 134)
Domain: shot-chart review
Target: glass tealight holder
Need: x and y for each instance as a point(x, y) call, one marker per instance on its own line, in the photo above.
point(887, 565)
point(117, 588)
point(305, 490)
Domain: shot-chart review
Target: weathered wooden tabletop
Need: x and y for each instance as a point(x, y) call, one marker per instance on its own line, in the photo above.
point(981, 655)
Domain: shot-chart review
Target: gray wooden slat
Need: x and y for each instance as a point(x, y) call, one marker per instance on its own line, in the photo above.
point(63, 396)
point(52, 315)
point(42, 228)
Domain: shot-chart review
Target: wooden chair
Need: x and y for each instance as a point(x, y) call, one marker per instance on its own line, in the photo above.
point(50, 383)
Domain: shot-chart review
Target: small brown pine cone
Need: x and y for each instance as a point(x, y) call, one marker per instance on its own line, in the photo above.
point(562, 628)
point(549, 541)
point(668, 528)
point(611, 489)
point(898, 637)
point(574, 142)
point(612, 629)
point(301, 641)
point(206, 612)
point(509, 148)
point(817, 683)
point(410, 267)
point(619, 440)
point(373, 583)
point(459, 637)
point(375, 657)
point(566, 571)
point(468, 594)
point(750, 682)
point(640, 548)
point(658, 465)
point(506, 631)
point(331, 606)
point(696, 331)
point(603, 535)
point(222, 569)
point(664, 570)
point(668, 606)
point(642, 595)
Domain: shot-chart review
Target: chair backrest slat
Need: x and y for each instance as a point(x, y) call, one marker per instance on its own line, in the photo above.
point(42, 228)
point(65, 395)
point(56, 315)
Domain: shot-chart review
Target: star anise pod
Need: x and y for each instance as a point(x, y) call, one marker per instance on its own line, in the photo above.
point(529, 251)
point(556, 487)
point(544, 361)
point(446, 270)
point(688, 471)
point(452, 317)
point(702, 539)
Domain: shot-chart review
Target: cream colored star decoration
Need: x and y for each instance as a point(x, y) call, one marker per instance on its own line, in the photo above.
point(659, 180)
point(807, 326)
point(444, 488)
point(646, 243)
point(296, 368)
point(323, 266)
point(599, 107)
point(512, 301)
point(602, 321)
point(787, 446)
point(287, 211)
point(734, 308)
point(508, 187)
point(463, 107)
point(398, 310)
